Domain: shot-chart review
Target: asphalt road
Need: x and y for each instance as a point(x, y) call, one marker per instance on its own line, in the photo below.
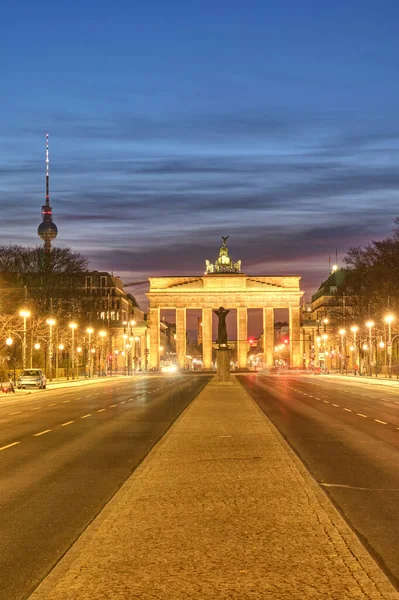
point(347, 434)
point(63, 454)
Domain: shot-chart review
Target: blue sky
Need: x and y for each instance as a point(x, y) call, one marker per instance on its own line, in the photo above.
point(172, 124)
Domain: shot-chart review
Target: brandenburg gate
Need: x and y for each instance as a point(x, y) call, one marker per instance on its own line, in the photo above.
point(223, 284)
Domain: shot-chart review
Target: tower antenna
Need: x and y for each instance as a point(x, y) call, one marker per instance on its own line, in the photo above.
point(47, 230)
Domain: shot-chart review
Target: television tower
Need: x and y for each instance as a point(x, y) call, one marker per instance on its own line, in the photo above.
point(47, 230)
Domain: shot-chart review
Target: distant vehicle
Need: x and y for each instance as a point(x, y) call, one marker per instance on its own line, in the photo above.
point(169, 368)
point(32, 378)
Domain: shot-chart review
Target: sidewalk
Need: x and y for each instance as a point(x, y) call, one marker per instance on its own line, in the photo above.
point(220, 509)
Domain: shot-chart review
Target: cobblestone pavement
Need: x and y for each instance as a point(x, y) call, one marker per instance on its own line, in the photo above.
point(221, 509)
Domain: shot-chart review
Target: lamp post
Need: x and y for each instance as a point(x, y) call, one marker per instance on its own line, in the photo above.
point(60, 348)
point(78, 350)
point(50, 322)
point(354, 330)
point(9, 342)
point(25, 314)
point(388, 319)
point(102, 335)
point(343, 353)
point(125, 353)
point(90, 331)
point(369, 325)
point(73, 326)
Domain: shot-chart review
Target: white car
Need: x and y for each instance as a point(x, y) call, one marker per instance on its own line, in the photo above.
point(169, 368)
point(32, 378)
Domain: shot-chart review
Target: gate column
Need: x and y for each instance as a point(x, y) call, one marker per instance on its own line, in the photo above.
point(181, 337)
point(207, 338)
point(295, 333)
point(268, 336)
point(242, 334)
point(154, 337)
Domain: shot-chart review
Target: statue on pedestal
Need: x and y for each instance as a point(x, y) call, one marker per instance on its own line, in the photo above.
point(222, 329)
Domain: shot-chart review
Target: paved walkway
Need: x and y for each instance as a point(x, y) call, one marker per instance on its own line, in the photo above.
point(221, 509)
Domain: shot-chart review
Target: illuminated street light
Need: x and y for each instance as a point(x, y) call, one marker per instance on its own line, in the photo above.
point(37, 346)
point(9, 341)
point(25, 314)
point(388, 319)
point(381, 344)
point(354, 330)
point(90, 331)
point(50, 322)
point(370, 325)
point(72, 327)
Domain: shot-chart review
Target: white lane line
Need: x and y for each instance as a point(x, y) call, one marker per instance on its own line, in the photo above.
point(101, 410)
point(89, 396)
point(382, 422)
point(337, 405)
point(361, 415)
point(85, 416)
point(317, 398)
point(41, 433)
point(37, 408)
point(326, 402)
point(65, 401)
point(9, 446)
point(347, 409)
point(16, 412)
point(310, 395)
point(80, 397)
point(54, 404)
point(67, 423)
point(124, 402)
point(112, 405)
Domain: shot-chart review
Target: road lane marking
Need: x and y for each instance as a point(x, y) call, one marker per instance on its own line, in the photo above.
point(326, 402)
point(9, 446)
point(65, 401)
point(360, 415)
point(37, 408)
point(112, 405)
point(41, 432)
point(85, 416)
point(67, 423)
point(124, 402)
point(382, 422)
point(15, 413)
point(101, 410)
point(347, 409)
point(317, 398)
point(54, 404)
point(337, 405)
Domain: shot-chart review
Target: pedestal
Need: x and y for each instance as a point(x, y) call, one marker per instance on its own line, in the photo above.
point(223, 364)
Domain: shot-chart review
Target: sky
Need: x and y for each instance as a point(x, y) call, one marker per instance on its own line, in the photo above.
point(174, 123)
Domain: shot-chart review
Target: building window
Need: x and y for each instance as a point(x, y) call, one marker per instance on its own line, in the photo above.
point(88, 283)
point(103, 281)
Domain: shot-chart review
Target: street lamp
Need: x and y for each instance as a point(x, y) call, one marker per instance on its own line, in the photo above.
point(60, 348)
point(73, 326)
point(370, 324)
point(102, 335)
point(90, 331)
point(25, 314)
point(342, 334)
point(50, 322)
point(388, 319)
point(354, 330)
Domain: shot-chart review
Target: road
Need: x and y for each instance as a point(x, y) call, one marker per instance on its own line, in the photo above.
point(347, 434)
point(63, 454)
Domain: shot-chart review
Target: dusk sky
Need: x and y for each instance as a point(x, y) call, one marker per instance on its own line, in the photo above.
point(173, 123)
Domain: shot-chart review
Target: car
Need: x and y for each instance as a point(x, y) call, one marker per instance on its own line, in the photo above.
point(32, 378)
point(169, 368)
